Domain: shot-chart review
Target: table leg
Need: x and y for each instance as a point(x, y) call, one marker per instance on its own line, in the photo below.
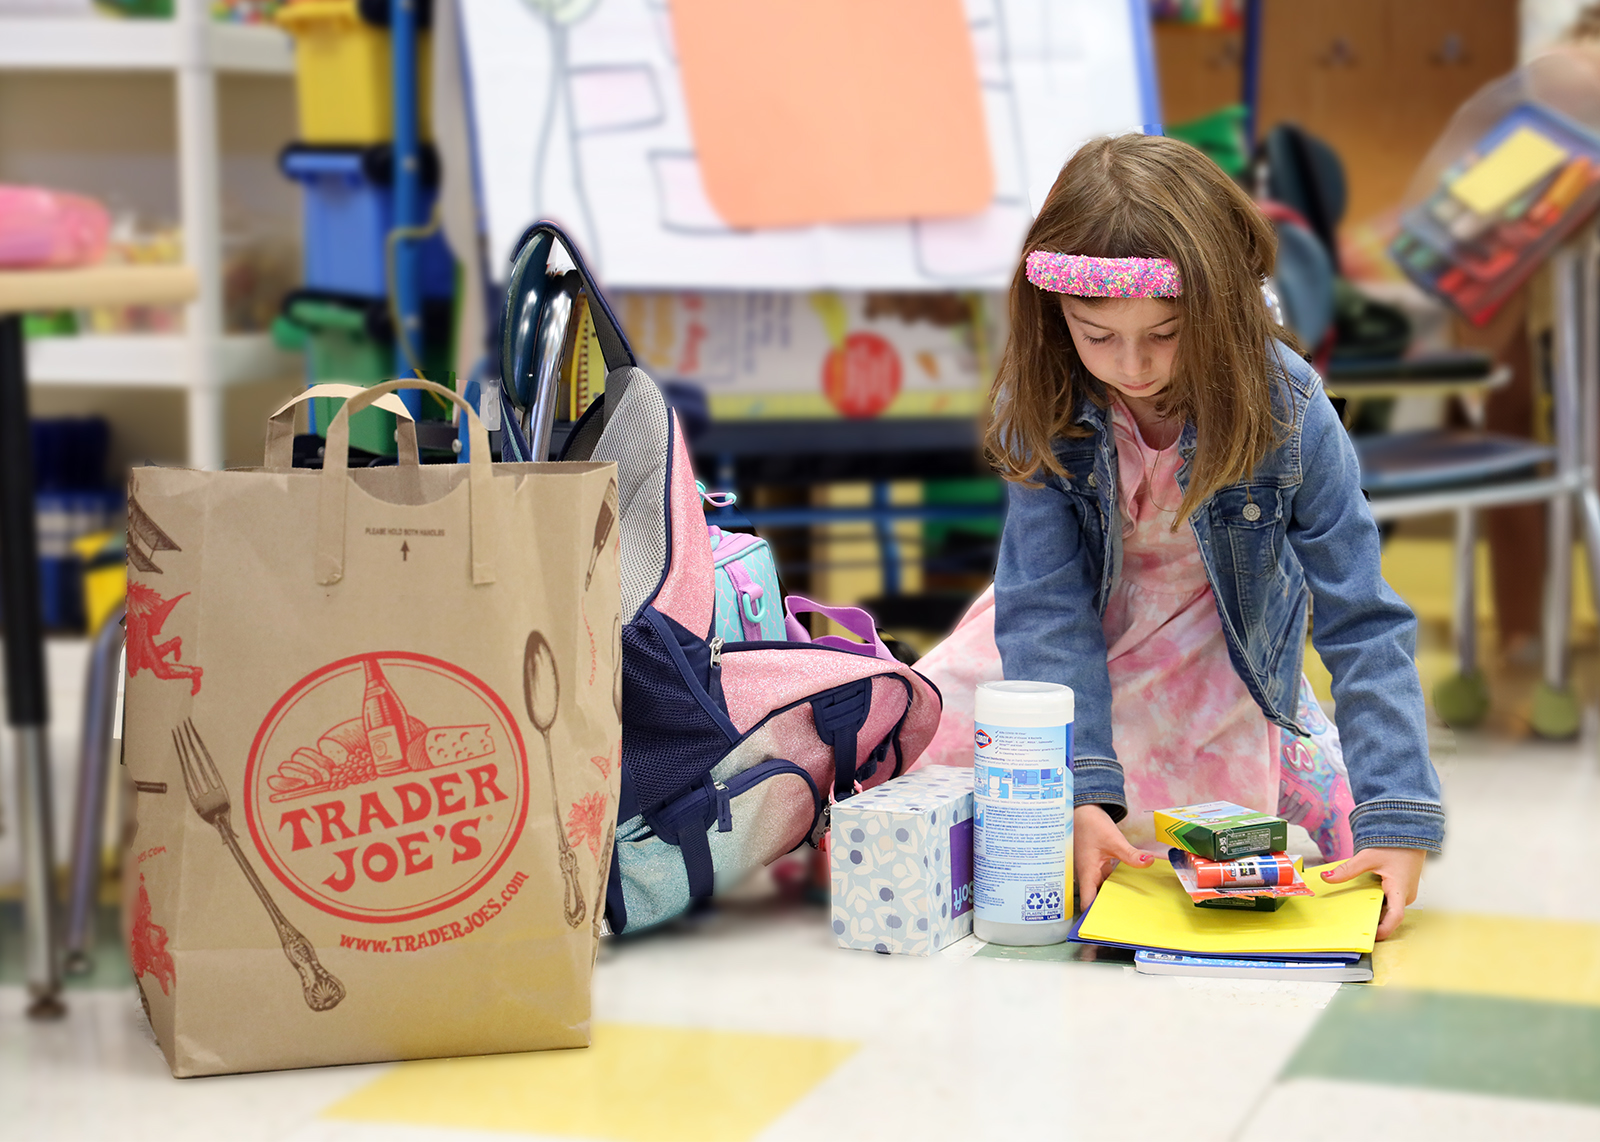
point(27, 699)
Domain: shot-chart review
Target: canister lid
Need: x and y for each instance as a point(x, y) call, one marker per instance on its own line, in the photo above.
point(1023, 703)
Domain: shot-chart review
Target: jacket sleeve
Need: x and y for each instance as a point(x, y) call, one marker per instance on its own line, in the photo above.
point(1048, 630)
point(1367, 638)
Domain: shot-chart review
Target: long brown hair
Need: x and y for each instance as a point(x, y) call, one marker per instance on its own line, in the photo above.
point(1147, 196)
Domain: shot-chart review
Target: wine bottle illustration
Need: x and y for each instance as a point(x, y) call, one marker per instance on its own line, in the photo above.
point(386, 721)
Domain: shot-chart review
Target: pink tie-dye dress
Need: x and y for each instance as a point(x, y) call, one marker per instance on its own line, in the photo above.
point(1183, 724)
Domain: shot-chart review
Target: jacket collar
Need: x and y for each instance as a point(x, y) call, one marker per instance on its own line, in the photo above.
point(1092, 416)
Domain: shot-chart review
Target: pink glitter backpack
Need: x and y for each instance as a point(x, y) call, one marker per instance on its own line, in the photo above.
point(732, 751)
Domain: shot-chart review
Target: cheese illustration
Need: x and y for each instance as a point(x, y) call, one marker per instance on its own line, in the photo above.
point(451, 745)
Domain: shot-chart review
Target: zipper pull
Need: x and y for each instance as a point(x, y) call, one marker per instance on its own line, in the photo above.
point(716, 652)
point(824, 822)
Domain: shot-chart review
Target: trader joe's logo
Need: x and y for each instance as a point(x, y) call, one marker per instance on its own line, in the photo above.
point(386, 787)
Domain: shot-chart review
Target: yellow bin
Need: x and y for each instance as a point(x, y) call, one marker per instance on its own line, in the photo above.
point(342, 73)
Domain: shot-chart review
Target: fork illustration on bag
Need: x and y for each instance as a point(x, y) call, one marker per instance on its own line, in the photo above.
point(210, 800)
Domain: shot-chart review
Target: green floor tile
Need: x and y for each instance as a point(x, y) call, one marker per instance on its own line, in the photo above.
point(109, 960)
point(1471, 1043)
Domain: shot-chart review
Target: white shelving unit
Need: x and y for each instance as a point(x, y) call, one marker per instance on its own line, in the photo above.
point(194, 49)
point(148, 359)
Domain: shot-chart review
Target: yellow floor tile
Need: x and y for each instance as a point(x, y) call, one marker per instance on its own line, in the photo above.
point(1514, 957)
point(1421, 569)
point(635, 1084)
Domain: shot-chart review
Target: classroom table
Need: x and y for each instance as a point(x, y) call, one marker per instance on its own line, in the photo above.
point(27, 688)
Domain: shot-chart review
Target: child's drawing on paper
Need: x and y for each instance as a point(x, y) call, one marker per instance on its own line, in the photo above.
point(725, 144)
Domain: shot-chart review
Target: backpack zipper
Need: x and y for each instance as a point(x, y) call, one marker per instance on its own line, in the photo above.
point(715, 646)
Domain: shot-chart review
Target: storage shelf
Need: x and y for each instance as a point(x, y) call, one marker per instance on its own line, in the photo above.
point(103, 44)
point(146, 360)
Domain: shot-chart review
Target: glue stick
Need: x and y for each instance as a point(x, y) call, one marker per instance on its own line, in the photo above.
point(1022, 813)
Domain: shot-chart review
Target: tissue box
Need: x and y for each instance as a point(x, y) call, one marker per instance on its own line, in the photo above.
point(901, 857)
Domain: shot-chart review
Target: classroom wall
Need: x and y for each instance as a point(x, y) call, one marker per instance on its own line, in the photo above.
point(1377, 79)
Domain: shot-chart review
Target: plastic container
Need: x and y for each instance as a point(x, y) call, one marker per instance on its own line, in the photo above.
point(1022, 803)
point(349, 210)
point(40, 227)
point(353, 341)
point(343, 79)
point(1501, 208)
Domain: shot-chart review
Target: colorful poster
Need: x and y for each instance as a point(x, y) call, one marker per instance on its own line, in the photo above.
point(819, 355)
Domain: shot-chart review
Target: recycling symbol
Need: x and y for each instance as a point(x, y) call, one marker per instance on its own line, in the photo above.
point(1053, 900)
point(1035, 901)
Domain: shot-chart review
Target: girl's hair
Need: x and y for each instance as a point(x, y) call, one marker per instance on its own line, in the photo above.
point(1147, 196)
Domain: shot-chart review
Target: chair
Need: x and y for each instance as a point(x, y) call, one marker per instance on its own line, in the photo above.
point(1462, 472)
point(1454, 471)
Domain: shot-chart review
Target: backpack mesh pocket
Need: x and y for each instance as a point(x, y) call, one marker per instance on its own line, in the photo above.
point(673, 731)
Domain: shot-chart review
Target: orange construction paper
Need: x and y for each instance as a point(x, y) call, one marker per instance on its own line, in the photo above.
point(808, 111)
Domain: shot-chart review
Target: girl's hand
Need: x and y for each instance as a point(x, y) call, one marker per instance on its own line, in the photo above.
point(1400, 870)
point(1097, 846)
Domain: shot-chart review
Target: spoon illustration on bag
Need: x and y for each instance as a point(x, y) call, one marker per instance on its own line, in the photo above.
point(541, 692)
point(602, 532)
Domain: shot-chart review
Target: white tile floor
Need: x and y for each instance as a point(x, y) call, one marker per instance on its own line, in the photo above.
point(949, 1047)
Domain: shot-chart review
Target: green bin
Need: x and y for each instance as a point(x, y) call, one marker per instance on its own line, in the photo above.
point(352, 342)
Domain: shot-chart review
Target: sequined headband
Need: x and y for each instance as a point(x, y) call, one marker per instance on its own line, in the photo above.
point(1104, 277)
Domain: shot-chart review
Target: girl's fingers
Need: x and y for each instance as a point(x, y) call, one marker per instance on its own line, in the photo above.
point(1394, 911)
point(1363, 861)
point(1123, 851)
point(1089, 887)
point(1092, 874)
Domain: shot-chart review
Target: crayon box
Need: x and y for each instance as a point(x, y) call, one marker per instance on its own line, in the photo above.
point(1221, 830)
point(901, 862)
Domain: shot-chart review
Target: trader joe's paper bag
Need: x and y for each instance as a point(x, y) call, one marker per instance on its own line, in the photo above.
point(372, 726)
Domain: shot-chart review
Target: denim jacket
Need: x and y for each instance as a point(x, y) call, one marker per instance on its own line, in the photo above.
point(1296, 530)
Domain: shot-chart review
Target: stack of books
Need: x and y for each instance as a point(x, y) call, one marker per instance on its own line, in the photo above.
point(1231, 902)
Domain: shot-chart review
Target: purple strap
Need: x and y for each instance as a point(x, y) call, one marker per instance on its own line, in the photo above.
point(729, 544)
point(746, 589)
point(855, 620)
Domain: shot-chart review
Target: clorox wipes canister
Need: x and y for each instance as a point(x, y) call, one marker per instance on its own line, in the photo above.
point(1022, 808)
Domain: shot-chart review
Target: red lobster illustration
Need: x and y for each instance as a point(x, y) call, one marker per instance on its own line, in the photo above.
point(146, 612)
point(147, 946)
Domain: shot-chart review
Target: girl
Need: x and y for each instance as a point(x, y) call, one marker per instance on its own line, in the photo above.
point(1180, 490)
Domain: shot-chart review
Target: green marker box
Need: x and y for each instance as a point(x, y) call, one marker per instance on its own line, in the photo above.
point(1221, 830)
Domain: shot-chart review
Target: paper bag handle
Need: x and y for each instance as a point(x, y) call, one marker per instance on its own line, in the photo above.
point(280, 425)
point(336, 466)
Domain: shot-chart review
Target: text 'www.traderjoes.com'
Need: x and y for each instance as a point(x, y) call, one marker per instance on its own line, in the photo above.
point(454, 930)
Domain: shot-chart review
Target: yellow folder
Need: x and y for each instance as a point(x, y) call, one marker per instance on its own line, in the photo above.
point(1147, 907)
